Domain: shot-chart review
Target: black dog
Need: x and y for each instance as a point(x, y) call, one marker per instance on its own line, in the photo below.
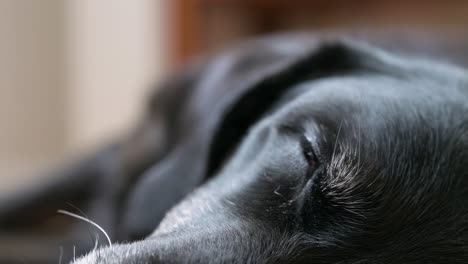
point(289, 150)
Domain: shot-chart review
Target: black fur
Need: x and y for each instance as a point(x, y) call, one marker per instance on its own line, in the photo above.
point(299, 151)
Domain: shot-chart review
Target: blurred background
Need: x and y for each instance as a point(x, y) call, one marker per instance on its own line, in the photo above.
point(74, 74)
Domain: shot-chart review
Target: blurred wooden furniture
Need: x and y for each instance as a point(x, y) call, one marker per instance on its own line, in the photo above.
point(206, 25)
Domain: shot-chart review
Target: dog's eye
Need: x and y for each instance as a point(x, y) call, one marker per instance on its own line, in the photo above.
point(310, 154)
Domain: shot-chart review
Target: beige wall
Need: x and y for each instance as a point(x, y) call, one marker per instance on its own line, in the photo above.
point(32, 111)
point(73, 73)
point(117, 52)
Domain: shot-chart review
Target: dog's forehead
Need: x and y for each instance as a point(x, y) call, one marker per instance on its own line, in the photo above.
point(381, 113)
point(378, 103)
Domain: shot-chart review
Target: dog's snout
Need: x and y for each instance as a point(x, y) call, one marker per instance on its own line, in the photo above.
point(232, 243)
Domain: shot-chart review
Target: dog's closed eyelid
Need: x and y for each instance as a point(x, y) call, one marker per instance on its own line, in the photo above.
point(310, 152)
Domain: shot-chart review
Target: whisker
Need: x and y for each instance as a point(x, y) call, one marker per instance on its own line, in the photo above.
point(359, 146)
point(78, 209)
point(61, 255)
point(96, 242)
point(93, 236)
point(89, 231)
point(336, 139)
point(88, 221)
point(74, 253)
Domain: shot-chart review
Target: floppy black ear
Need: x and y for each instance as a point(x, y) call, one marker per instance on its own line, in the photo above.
point(320, 61)
point(233, 91)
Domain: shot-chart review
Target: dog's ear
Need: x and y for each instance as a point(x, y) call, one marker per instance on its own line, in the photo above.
point(331, 58)
point(233, 91)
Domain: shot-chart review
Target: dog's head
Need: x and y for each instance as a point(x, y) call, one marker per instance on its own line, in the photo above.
point(320, 153)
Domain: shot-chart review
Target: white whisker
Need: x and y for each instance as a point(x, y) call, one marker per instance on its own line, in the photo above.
point(61, 255)
point(96, 242)
point(336, 139)
point(78, 209)
point(359, 146)
point(88, 221)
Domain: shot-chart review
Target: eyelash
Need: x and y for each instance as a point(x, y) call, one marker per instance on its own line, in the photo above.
point(310, 153)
